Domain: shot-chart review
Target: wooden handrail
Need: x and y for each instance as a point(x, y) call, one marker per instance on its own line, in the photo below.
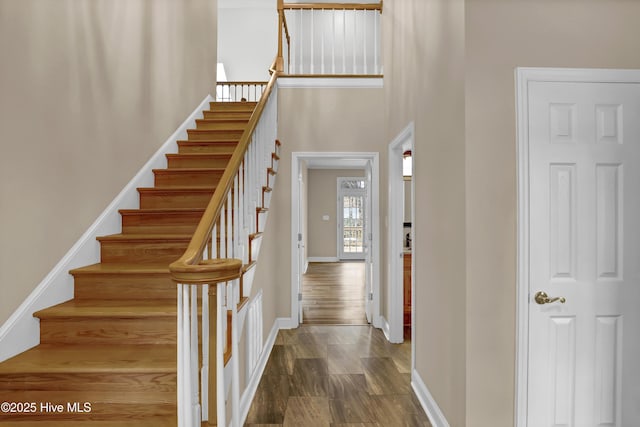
point(189, 268)
point(349, 6)
point(242, 83)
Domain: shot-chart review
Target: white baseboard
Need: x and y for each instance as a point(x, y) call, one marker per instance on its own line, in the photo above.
point(252, 383)
point(22, 331)
point(287, 323)
point(384, 325)
point(436, 417)
point(323, 259)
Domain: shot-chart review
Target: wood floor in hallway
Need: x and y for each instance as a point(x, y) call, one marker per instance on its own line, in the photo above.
point(333, 294)
point(326, 376)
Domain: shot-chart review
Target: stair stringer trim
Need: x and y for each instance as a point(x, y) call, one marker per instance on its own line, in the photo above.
point(22, 331)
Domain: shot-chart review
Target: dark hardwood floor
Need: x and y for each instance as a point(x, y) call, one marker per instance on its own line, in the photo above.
point(333, 294)
point(320, 375)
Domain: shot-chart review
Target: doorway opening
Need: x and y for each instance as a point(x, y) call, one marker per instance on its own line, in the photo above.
point(401, 285)
point(351, 220)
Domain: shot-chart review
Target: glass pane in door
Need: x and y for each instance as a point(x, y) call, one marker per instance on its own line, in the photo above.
point(353, 224)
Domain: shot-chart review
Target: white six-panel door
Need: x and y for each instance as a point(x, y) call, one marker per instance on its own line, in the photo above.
point(584, 246)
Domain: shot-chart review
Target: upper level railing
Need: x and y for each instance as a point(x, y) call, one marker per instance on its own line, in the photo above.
point(240, 91)
point(329, 38)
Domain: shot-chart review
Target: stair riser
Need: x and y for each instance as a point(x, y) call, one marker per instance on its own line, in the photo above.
point(232, 106)
point(182, 199)
point(187, 147)
point(202, 161)
point(171, 178)
point(108, 331)
point(180, 223)
point(124, 287)
point(214, 135)
point(136, 382)
point(230, 125)
point(143, 252)
point(231, 115)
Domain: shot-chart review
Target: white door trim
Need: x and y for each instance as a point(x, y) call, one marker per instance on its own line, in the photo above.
point(339, 158)
point(524, 76)
point(404, 141)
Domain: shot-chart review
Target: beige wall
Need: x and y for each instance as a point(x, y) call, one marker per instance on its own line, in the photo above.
point(423, 55)
point(502, 35)
point(89, 89)
point(356, 117)
point(323, 196)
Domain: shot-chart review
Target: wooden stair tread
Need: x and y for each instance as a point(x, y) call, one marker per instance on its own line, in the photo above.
point(54, 358)
point(207, 142)
point(161, 211)
point(177, 189)
point(122, 268)
point(109, 308)
point(132, 237)
point(200, 155)
point(234, 120)
point(188, 170)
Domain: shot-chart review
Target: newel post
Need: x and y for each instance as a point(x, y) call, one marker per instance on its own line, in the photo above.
point(280, 58)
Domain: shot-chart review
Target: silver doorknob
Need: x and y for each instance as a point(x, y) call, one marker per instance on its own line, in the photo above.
point(542, 298)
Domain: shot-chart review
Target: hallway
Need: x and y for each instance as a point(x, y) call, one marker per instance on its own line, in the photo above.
point(333, 294)
point(321, 375)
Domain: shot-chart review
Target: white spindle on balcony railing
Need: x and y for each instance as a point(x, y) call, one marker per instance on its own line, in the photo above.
point(239, 91)
point(352, 47)
point(215, 275)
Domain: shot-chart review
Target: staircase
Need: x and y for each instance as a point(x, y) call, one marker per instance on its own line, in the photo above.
point(109, 355)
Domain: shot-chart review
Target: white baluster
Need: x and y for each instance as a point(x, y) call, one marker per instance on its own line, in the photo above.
point(312, 40)
point(344, 41)
point(322, 36)
point(195, 389)
point(220, 333)
point(182, 404)
point(186, 358)
point(204, 374)
point(235, 385)
point(355, 15)
point(223, 241)
point(333, 41)
point(230, 236)
point(301, 37)
point(375, 42)
point(364, 40)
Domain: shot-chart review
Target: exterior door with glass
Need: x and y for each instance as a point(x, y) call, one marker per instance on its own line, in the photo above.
point(351, 218)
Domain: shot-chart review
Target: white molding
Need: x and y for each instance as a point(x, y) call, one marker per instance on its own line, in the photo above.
point(323, 259)
point(395, 290)
point(296, 158)
point(287, 323)
point(330, 82)
point(429, 404)
point(252, 383)
point(384, 325)
point(22, 331)
point(524, 76)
